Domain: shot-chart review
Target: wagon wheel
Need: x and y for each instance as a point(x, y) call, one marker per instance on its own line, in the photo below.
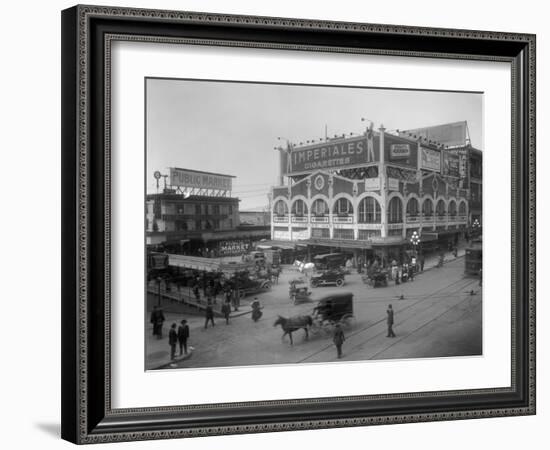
point(339, 282)
point(348, 321)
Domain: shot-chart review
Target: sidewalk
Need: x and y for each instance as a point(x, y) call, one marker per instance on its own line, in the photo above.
point(158, 350)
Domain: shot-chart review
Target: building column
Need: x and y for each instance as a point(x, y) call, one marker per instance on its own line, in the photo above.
point(383, 185)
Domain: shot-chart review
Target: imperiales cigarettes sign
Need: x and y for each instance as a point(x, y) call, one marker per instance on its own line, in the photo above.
point(331, 155)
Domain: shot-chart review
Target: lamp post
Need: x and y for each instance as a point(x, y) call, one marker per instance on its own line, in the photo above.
point(415, 240)
point(475, 227)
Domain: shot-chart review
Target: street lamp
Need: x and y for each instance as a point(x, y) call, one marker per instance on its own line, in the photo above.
point(415, 240)
point(475, 227)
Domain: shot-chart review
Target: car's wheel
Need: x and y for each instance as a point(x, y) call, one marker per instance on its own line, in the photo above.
point(339, 282)
point(314, 283)
point(267, 286)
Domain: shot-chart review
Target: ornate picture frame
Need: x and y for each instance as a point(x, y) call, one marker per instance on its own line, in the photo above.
point(88, 33)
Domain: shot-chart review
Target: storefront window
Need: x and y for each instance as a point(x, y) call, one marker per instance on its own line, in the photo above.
point(462, 208)
point(299, 208)
point(369, 211)
point(440, 208)
point(395, 210)
point(427, 208)
point(343, 207)
point(280, 208)
point(452, 208)
point(319, 207)
point(412, 207)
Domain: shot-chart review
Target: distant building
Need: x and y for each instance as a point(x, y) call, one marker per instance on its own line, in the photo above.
point(195, 214)
point(367, 194)
point(262, 218)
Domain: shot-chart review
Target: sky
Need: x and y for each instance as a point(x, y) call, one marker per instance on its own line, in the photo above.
point(232, 128)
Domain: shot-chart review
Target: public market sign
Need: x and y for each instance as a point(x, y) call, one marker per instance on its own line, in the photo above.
point(201, 180)
point(331, 155)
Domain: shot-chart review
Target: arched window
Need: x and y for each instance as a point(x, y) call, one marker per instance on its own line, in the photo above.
point(440, 208)
point(280, 208)
point(452, 208)
point(412, 207)
point(319, 207)
point(369, 211)
point(428, 208)
point(299, 208)
point(343, 207)
point(395, 210)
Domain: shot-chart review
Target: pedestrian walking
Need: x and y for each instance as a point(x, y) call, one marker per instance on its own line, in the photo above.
point(183, 335)
point(226, 311)
point(157, 319)
point(209, 312)
point(422, 260)
point(173, 340)
point(389, 321)
point(338, 339)
point(256, 310)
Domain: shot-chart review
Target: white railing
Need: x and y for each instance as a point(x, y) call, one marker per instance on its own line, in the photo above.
point(441, 218)
point(299, 219)
point(369, 226)
point(342, 219)
point(319, 219)
point(280, 219)
point(413, 219)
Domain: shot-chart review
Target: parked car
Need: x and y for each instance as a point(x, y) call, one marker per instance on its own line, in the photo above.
point(328, 277)
point(248, 284)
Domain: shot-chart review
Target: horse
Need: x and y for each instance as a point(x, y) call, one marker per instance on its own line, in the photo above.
point(292, 324)
point(304, 266)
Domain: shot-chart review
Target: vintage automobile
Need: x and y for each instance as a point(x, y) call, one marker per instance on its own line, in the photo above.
point(327, 278)
point(247, 284)
point(298, 291)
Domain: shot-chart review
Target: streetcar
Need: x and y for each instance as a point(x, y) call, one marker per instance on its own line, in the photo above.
point(473, 259)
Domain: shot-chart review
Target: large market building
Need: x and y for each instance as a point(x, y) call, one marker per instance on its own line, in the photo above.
point(367, 194)
point(195, 214)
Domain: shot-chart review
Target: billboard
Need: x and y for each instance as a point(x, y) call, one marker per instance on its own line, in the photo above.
point(430, 159)
point(336, 154)
point(450, 164)
point(450, 134)
point(200, 180)
point(400, 151)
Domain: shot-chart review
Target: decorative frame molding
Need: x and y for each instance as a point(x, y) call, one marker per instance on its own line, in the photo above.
point(87, 34)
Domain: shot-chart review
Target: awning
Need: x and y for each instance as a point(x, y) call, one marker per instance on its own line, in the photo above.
point(284, 245)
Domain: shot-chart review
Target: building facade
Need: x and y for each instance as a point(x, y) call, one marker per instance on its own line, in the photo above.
point(195, 214)
point(367, 194)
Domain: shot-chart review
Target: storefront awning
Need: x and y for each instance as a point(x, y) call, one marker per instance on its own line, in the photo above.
point(284, 245)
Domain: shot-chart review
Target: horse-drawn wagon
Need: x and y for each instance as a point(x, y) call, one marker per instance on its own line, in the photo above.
point(375, 278)
point(332, 309)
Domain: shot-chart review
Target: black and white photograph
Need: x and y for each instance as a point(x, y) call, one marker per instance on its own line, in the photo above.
point(293, 223)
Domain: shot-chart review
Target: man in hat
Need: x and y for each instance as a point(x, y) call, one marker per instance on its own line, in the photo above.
point(209, 312)
point(338, 339)
point(157, 319)
point(183, 335)
point(389, 321)
point(173, 340)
